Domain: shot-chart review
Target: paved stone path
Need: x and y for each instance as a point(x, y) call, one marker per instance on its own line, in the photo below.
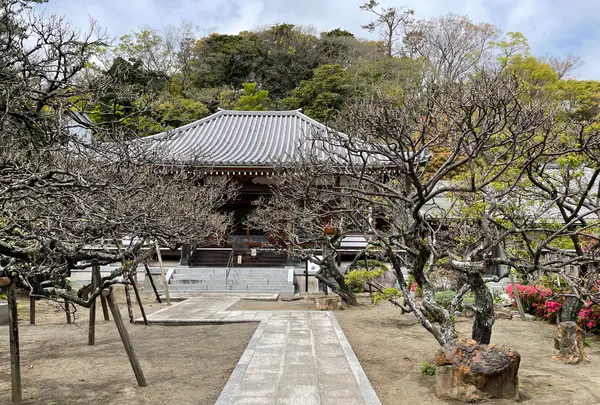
point(294, 357)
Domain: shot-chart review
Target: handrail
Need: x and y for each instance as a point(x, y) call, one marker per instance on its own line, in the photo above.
point(228, 269)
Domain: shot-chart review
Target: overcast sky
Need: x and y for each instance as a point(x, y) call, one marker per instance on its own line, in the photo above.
point(556, 27)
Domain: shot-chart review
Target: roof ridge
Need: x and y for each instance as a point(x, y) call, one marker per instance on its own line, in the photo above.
point(178, 130)
point(265, 113)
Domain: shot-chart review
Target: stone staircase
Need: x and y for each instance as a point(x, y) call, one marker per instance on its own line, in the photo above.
point(192, 280)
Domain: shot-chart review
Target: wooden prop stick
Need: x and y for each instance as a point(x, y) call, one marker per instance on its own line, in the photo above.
point(96, 271)
point(138, 298)
point(13, 330)
point(92, 320)
point(516, 296)
point(127, 344)
point(32, 310)
point(162, 274)
point(67, 311)
point(152, 283)
point(128, 300)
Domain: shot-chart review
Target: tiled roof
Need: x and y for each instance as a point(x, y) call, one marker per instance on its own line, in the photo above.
point(240, 139)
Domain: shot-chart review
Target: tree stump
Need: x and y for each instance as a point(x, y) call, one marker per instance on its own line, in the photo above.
point(329, 303)
point(467, 371)
point(569, 344)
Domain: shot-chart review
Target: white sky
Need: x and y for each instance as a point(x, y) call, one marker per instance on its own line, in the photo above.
point(557, 27)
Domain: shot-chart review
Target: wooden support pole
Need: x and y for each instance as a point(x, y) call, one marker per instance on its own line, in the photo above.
point(516, 296)
point(138, 298)
point(92, 320)
point(152, 284)
point(68, 312)
point(98, 275)
point(127, 344)
point(13, 330)
point(128, 301)
point(162, 274)
point(32, 310)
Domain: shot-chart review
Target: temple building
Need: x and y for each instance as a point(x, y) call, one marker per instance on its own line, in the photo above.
point(244, 146)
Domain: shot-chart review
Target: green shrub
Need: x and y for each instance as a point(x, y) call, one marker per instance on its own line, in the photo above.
point(363, 272)
point(428, 369)
point(386, 294)
point(443, 298)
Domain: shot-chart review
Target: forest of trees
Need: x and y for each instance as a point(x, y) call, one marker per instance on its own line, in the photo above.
point(164, 77)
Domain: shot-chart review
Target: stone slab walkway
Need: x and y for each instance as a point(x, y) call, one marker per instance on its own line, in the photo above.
point(294, 357)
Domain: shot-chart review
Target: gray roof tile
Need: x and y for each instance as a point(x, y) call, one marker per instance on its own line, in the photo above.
point(240, 138)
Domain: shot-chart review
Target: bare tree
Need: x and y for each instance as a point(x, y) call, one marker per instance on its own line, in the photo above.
point(391, 23)
point(452, 45)
point(556, 212)
point(307, 217)
point(65, 200)
point(489, 124)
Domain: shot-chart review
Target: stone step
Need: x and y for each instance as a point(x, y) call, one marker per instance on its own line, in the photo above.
point(231, 275)
point(204, 285)
point(187, 280)
point(209, 287)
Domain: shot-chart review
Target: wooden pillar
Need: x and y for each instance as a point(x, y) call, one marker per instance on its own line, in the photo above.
point(149, 276)
point(125, 338)
point(13, 330)
point(162, 274)
point(186, 250)
point(32, 310)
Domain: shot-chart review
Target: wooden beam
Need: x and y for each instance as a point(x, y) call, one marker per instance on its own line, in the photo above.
point(125, 338)
point(13, 331)
point(162, 274)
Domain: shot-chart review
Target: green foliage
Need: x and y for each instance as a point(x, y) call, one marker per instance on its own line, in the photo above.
point(253, 99)
point(587, 343)
point(176, 111)
point(428, 369)
point(325, 93)
point(3, 297)
point(356, 279)
point(369, 264)
point(443, 298)
point(362, 272)
point(387, 294)
point(554, 282)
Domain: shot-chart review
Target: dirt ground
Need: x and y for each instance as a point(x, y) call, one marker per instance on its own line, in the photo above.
point(391, 347)
point(183, 365)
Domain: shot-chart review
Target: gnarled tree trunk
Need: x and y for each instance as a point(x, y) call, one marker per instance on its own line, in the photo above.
point(569, 311)
point(329, 270)
point(484, 311)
